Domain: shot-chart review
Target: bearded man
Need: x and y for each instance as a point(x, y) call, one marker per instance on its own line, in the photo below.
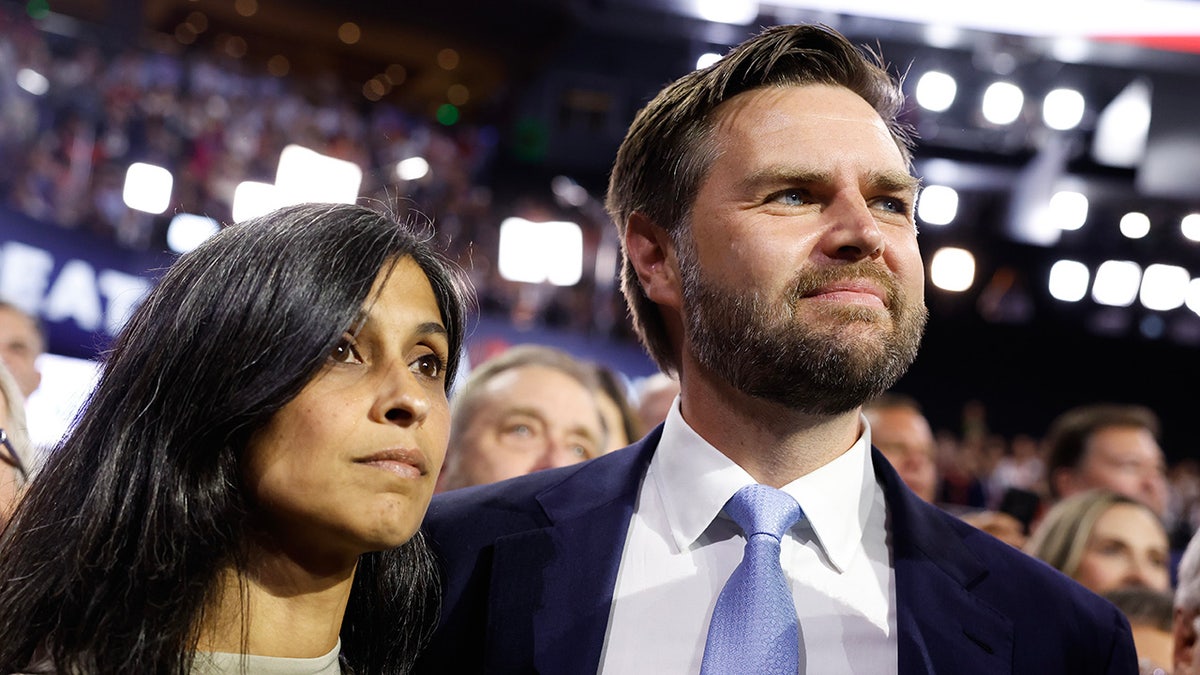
point(770, 261)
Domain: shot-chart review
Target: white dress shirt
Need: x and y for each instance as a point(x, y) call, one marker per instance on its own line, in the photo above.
point(681, 548)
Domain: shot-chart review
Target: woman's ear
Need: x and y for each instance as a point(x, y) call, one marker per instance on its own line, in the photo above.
point(652, 254)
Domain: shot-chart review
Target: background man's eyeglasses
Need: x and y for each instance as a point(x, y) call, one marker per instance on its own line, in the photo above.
point(11, 456)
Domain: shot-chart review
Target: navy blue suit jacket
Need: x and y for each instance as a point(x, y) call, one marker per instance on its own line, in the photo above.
point(530, 565)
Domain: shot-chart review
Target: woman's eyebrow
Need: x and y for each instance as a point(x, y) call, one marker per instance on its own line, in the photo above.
point(432, 328)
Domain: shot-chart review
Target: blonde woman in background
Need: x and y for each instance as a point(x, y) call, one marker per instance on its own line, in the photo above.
point(1105, 541)
point(16, 451)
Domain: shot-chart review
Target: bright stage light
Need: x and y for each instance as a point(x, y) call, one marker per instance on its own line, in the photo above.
point(541, 252)
point(147, 188)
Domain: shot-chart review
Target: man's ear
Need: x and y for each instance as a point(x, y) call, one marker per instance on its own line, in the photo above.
point(1063, 481)
point(652, 255)
point(1184, 633)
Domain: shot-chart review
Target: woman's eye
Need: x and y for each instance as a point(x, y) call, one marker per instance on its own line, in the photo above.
point(429, 365)
point(345, 352)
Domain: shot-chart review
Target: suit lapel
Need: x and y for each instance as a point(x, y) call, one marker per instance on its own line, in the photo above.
point(556, 584)
point(942, 626)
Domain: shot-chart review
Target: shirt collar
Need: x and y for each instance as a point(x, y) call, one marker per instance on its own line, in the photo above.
point(695, 480)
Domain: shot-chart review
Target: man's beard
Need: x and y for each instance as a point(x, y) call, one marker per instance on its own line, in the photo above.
point(832, 364)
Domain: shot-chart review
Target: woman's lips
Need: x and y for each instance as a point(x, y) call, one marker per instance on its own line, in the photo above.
point(403, 462)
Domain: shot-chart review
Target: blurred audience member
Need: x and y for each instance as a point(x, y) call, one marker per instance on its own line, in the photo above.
point(16, 451)
point(1003, 526)
point(1104, 540)
point(1186, 626)
point(1107, 445)
point(21, 342)
point(1021, 468)
point(902, 433)
point(655, 394)
point(529, 408)
point(958, 465)
point(1150, 615)
point(1183, 504)
point(621, 421)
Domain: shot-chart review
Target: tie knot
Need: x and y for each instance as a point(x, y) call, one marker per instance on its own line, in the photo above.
point(760, 509)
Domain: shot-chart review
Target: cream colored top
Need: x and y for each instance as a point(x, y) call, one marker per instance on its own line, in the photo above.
point(224, 663)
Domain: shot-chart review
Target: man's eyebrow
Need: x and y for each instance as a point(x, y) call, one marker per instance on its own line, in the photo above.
point(583, 430)
point(780, 174)
point(891, 181)
point(894, 181)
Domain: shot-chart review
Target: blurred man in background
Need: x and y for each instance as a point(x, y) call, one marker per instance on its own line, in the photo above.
point(902, 433)
point(21, 343)
point(529, 408)
point(900, 430)
point(1107, 445)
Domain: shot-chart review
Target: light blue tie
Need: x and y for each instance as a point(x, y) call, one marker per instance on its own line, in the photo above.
point(754, 627)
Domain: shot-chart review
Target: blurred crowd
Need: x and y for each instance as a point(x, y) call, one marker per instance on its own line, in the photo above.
point(211, 120)
point(980, 469)
point(215, 121)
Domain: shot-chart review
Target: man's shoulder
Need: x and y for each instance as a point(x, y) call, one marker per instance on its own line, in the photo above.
point(512, 495)
point(1019, 580)
point(1006, 600)
point(532, 499)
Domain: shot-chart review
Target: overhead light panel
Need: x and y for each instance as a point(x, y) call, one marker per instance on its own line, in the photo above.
point(707, 59)
point(952, 269)
point(1135, 225)
point(412, 168)
point(936, 91)
point(534, 252)
point(188, 230)
point(1068, 209)
point(1117, 283)
point(147, 187)
point(1002, 103)
point(1069, 280)
point(1123, 127)
point(1063, 109)
point(734, 12)
point(1190, 226)
point(253, 198)
point(305, 175)
point(937, 204)
point(1164, 287)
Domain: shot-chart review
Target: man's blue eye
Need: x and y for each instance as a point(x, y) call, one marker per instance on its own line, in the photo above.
point(790, 197)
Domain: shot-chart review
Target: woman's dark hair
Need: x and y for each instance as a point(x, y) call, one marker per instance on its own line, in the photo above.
point(113, 555)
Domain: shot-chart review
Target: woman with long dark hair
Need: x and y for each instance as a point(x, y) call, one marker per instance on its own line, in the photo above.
point(244, 488)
